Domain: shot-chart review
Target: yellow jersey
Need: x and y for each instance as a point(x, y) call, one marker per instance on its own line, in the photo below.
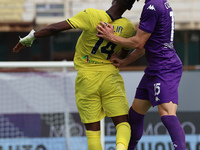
point(93, 53)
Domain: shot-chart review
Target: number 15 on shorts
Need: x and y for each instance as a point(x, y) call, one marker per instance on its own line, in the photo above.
point(157, 91)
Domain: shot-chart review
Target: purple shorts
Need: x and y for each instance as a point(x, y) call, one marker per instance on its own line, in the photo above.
point(161, 88)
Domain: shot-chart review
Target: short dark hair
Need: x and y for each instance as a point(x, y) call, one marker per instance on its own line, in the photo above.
point(128, 3)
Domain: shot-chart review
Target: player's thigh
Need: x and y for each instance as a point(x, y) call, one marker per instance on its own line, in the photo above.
point(167, 109)
point(88, 99)
point(141, 103)
point(141, 106)
point(113, 95)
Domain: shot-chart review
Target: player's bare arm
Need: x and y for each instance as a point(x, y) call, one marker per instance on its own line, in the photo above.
point(123, 53)
point(49, 30)
point(133, 56)
point(52, 29)
point(135, 42)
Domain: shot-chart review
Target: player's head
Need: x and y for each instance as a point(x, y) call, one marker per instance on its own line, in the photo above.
point(126, 3)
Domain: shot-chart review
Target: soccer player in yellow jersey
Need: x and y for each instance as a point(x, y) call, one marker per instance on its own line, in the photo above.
point(99, 87)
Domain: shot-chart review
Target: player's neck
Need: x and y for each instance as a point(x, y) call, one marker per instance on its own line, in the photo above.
point(115, 12)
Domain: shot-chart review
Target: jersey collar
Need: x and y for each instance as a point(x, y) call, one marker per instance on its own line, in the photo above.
point(112, 17)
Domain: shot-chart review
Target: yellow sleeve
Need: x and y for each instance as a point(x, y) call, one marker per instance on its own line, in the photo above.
point(81, 20)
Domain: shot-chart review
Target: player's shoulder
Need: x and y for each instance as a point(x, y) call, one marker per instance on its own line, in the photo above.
point(92, 10)
point(123, 20)
point(127, 22)
point(153, 2)
point(154, 5)
point(126, 26)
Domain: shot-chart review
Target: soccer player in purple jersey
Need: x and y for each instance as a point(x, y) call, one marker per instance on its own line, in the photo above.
point(159, 85)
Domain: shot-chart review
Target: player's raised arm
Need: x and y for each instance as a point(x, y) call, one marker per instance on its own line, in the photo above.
point(133, 56)
point(135, 42)
point(47, 31)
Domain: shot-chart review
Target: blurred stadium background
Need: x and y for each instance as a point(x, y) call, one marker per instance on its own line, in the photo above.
point(37, 104)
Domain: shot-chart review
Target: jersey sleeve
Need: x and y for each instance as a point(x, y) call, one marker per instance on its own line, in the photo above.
point(81, 20)
point(149, 18)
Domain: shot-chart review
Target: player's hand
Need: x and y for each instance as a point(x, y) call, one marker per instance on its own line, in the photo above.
point(105, 31)
point(27, 41)
point(18, 47)
point(117, 62)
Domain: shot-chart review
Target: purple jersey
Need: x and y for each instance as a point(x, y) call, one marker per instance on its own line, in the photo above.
point(157, 18)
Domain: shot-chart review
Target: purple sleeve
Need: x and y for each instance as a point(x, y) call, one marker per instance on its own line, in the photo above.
point(148, 18)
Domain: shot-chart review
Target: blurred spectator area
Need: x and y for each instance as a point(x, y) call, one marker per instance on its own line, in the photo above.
point(18, 17)
point(24, 12)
